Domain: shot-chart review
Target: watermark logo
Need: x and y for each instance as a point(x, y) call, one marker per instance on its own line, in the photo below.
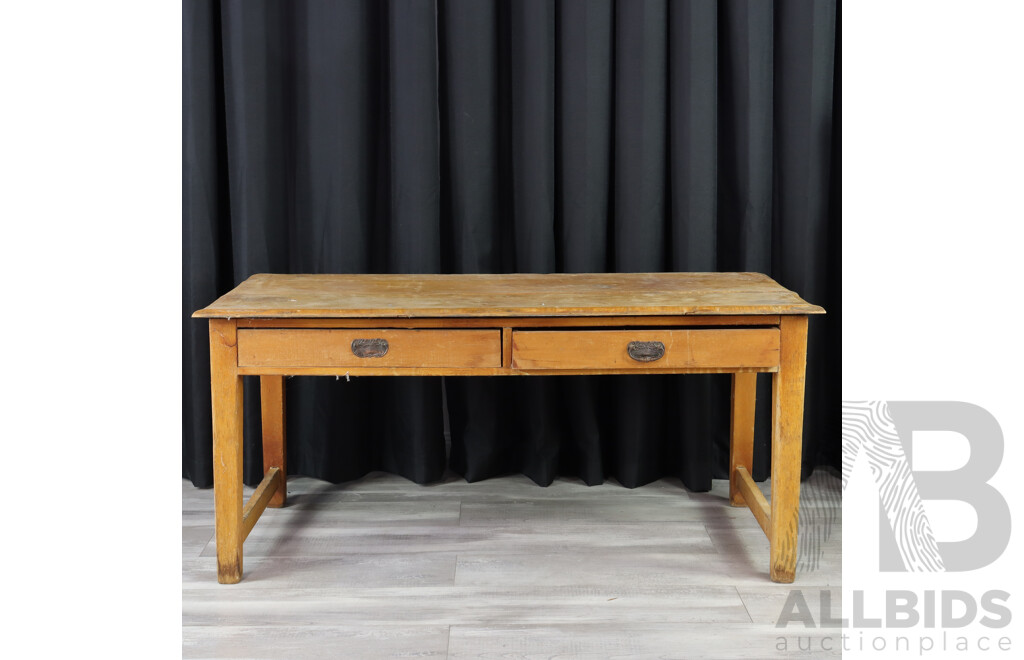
point(882, 431)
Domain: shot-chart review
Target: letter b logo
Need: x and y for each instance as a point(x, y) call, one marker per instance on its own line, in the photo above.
point(883, 431)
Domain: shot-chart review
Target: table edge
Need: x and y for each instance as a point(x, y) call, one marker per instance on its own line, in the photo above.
point(222, 313)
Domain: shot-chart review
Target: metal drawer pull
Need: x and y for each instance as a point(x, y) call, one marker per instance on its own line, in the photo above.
point(646, 351)
point(369, 348)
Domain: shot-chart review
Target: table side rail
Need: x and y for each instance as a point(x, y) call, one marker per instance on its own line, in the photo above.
point(517, 322)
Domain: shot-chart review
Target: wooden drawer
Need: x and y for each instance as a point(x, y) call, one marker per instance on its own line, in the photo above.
point(645, 349)
point(369, 348)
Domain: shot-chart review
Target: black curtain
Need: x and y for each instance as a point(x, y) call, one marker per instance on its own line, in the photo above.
point(470, 136)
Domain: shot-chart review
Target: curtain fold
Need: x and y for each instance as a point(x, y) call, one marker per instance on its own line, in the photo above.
point(476, 136)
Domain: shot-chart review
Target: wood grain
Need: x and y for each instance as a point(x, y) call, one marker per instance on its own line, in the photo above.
point(520, 322)
point(741, 430)
point(487, 371)
point(406, 348)
point(275, 447)
point(506, 348)
point(518, 294)
point(787, 441)
point(608, 349)
point(226, 386)
point(258, 501)
point(753, 498)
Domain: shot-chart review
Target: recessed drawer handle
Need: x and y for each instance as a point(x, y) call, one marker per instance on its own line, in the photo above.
point(646, 351)
point(369, 348)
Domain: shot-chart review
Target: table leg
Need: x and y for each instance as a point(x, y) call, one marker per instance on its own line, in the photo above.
point(274, 444)
point(226, 387)
point(787, 432)
point(741, 434)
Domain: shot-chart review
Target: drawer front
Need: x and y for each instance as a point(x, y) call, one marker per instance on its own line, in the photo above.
point(645, 349)
point(369, 348)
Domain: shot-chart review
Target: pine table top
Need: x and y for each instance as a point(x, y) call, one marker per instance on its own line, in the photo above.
point(506, 295)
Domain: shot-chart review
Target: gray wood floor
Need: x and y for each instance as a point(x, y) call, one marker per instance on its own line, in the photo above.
point(383, 567)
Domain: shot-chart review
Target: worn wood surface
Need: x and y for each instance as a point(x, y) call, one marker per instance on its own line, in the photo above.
point(506, 347)
point(227, 404)
point(787, 441)
point(520, 294)
point(520, 322)
point(741, 430)
point(275, 445)
point(355, 325)
point(406, 348)
point(257, 503)
point(597, 349)
point(651, 368)
point(753, 498)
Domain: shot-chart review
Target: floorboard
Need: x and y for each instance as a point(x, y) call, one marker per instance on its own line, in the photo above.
point(382, 568)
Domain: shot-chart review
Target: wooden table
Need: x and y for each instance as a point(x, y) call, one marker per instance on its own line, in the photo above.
point(274, 326)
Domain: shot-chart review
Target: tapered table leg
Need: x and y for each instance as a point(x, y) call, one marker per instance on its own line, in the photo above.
point(787, 437)
point(275, 452)
point(226, 387)
point(741, 431)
